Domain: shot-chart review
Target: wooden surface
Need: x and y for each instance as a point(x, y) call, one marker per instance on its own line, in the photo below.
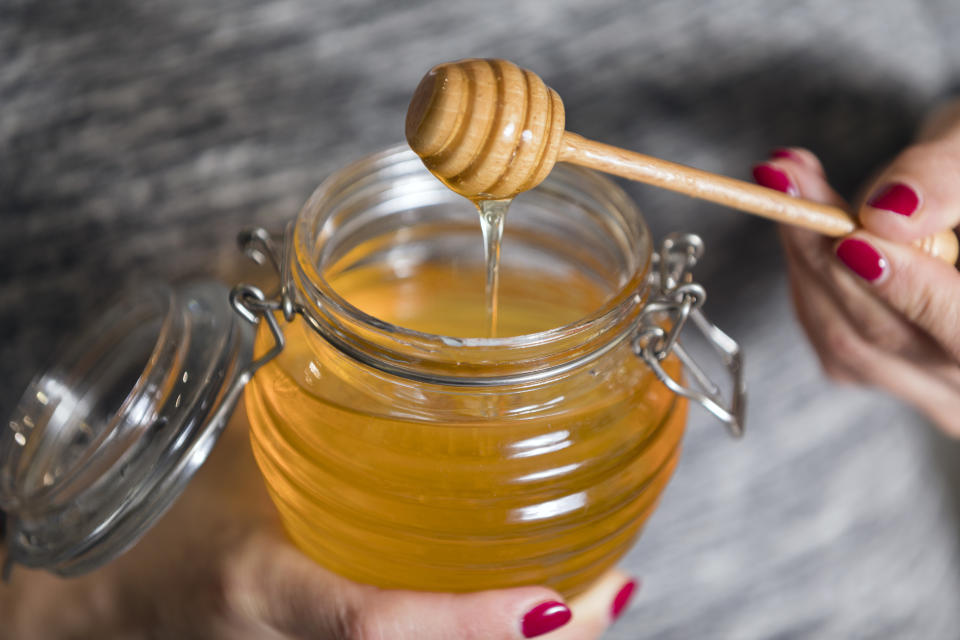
point(136, 138)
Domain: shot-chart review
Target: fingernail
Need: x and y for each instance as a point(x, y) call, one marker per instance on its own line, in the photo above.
point(784, 153)
point(544, 618)
point(622, 599)
point(772, 178)
point(896, 197)
point(862, 258)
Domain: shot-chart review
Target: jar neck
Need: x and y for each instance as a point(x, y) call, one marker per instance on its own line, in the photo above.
point(394, 185)
point(470, 362)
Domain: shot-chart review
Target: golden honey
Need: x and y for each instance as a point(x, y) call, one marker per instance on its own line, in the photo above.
point(409, 485)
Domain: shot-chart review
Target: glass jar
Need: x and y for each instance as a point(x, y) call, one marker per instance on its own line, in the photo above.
point(458, 463)
point(399, 448)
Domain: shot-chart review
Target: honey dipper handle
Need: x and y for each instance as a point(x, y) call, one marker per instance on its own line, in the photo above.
point(745, 196)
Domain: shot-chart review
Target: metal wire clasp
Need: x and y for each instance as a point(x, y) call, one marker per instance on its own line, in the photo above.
point(253, 305)
point(675, 299)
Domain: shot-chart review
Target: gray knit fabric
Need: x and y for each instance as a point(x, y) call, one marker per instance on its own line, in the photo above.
point(137, 137)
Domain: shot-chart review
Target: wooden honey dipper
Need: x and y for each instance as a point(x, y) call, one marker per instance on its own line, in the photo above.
point(490, 130)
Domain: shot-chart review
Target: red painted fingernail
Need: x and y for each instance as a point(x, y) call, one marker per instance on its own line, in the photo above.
point(896, 197)
point(544, 618)
point(772, 178)
point(862, 258)
point(622, 599)
point(783, 152)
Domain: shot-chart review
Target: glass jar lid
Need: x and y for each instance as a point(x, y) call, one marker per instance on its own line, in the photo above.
point(102, 443)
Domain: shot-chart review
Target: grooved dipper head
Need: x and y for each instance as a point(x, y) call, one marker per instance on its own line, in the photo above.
point(486, 128)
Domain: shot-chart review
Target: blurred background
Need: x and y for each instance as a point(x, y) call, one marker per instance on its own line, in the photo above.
point(138, 137)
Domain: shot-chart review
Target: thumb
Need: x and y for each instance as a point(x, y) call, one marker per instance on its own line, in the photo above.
point(918, 194)
point(600, 606)
point(925, 290)
point(505, 614)
point(275, 586)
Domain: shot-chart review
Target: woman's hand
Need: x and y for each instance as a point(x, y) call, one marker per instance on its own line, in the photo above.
point(218, 566)
point(877, 311)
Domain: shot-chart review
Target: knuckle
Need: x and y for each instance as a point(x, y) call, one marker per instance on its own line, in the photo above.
point(842, 345)
point(834, 370)
point(916, 153)
point(340, 621)
point(921, 153)
point(945, 415)
point(261, 592)
point(927, 304)
point(948, 422)
point(368, 625)
point(808, 256)
point(884, 335)
point(935, 158)
point(922, 309)
point(359, 629)
point(807, 158)
point(239, 590)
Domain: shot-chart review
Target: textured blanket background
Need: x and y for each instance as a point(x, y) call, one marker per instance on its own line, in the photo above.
point(137, 137)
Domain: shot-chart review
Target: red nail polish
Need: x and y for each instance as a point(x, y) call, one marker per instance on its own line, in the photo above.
point(772, 178)
point(784, 153)
point(544, 618)
point(622, 599)
point(896, 197)
point(862, 258)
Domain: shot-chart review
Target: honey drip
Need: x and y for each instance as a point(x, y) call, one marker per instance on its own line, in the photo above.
point(492, 216)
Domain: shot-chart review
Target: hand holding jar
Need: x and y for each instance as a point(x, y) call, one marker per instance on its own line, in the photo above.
point(876, 311)
point(219, 566)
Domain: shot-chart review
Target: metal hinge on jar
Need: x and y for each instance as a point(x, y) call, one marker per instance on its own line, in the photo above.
point(674, 301)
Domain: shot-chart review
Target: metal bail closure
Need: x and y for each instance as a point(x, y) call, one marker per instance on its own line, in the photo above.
point(102, 443)
point(675, 299)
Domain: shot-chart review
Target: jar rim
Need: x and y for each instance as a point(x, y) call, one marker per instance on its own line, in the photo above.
point(626, 301)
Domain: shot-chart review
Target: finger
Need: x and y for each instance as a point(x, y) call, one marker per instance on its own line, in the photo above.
point(804, 174)
point(804, 157)
point(917, 195)
point(924, 290)
point(876, 322)
point(823, 280)
point(797, 172)
point(270, 584)
point(507, 614)
point(818, 279)
point(846, 355)
point(593, 611)
point(287, 592)
point(819, 313)
point(836, 318)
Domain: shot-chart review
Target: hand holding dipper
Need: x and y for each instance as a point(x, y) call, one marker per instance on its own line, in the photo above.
point(490, 130)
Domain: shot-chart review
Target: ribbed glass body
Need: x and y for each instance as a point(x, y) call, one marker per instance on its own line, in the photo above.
point(403, 450)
